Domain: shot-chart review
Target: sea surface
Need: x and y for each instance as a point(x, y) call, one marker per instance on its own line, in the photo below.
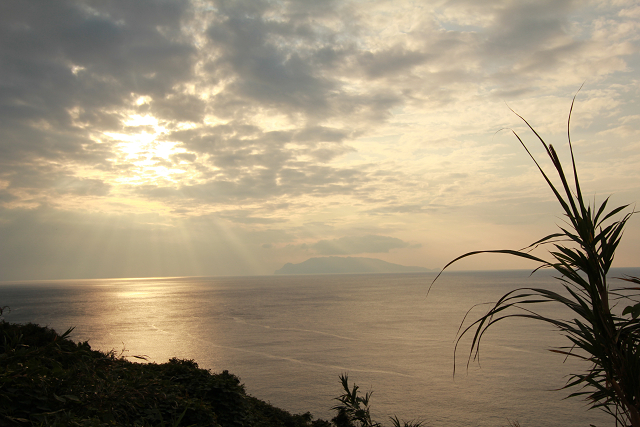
point(289, 338)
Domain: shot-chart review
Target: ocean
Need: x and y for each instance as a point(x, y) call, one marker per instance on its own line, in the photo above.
point(289, 338)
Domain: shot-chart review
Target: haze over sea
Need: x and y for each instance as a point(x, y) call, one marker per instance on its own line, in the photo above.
point(289, 338)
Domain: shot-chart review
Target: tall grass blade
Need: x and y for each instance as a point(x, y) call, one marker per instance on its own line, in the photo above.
point(582, 254)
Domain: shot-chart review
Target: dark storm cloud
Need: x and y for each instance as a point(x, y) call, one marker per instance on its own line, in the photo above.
point(358, 245)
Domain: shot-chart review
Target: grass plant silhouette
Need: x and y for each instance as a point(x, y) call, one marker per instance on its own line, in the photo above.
point(354, 410)
point(582, 253)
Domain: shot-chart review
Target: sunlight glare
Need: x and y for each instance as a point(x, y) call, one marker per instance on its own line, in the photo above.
point(150, 156)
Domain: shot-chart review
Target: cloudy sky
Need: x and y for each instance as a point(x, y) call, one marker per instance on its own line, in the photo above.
point(170, 138)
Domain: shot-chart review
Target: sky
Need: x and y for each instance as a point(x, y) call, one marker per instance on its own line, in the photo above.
point(215, 138)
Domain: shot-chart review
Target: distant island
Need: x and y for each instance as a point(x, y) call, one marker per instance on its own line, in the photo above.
point(347, 265)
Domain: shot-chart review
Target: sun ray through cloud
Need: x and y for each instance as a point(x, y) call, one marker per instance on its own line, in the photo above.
point(300, 122)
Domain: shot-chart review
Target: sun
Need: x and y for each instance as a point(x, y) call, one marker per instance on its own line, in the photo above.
point(145, 155)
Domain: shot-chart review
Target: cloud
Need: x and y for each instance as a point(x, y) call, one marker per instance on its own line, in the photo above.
point(270, 116)
point(395, 60)
point(391, 209)
point(251, 100)
point(68, 73)
point(293, 63)
point(48, 243)
point(72, 185)
point(180, 107)
point(239, 185)
point(358, 245)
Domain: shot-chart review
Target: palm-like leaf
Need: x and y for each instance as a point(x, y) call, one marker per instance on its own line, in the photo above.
point(582, 254)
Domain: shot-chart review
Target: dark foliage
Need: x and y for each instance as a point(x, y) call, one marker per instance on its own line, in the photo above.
point(48, 380)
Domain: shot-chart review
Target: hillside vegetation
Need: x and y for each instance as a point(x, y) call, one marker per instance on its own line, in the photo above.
point(46, 379)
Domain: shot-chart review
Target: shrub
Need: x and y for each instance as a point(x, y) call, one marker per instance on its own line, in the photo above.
point(354, 410)
point(48, 380)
